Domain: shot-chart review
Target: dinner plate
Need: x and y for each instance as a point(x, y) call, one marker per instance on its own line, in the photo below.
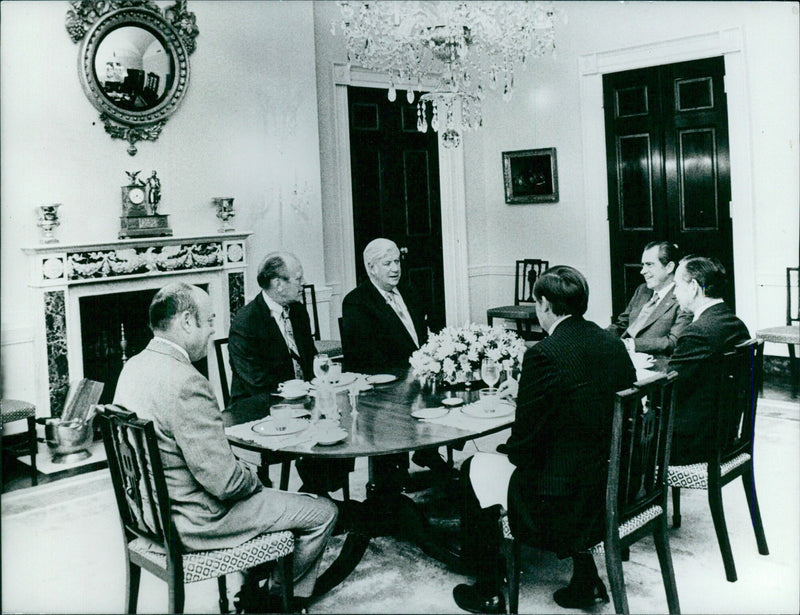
point(452, 401)
point(381, 378)
point(331, 437)
point(345, 379)
point(267, 428)
point(429, 413)
point(480, 411)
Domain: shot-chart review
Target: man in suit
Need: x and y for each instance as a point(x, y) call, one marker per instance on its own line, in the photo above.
point(269, 342)
point(715, 329)
point(552, 482)
point(382, 327)
point(217, 501)
point(653, 321)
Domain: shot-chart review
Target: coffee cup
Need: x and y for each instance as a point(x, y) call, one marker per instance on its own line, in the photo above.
point(281, 415)
point(293, 388)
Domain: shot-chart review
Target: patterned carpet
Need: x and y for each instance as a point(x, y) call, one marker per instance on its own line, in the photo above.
point(62, 551)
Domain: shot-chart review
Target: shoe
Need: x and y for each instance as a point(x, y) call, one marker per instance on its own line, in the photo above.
point(470, 599)
point(581, 596)
point(430, 459)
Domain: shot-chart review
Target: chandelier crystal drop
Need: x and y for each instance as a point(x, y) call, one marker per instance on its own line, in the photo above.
point(468, 48)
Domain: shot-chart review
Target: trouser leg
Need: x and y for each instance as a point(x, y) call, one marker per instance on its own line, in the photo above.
point(480, 537)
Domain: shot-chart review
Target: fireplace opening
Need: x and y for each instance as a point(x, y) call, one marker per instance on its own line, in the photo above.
point(114, 328)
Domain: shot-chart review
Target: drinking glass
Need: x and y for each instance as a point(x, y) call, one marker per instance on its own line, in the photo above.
point(322, 365)
point(490, 372)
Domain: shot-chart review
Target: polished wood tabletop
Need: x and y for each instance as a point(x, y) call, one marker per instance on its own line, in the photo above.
point(382, 425)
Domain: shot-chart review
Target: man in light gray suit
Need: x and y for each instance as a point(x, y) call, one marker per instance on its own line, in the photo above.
point(217, 501)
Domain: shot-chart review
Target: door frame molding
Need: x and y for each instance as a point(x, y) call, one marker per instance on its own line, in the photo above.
point(451, 187)
point(728, 43)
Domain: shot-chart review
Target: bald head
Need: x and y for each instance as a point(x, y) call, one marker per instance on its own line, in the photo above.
point(382, 262)
point(183, 314)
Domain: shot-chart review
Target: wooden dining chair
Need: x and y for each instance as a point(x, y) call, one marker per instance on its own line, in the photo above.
point(790, 334)
point(636, 490)
point(151, 541)
point(332, 348)
point(522, 312)
point(739, 374)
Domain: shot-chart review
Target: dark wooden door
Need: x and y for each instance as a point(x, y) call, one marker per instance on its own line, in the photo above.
point(668, 166)
point(395, 174)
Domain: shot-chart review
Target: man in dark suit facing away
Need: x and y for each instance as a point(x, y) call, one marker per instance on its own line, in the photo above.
point(382, 327)
point(552, 482)
point(270, 342)
point(715, 329)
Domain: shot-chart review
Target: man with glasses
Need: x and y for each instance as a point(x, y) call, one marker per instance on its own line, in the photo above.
point(270, 342)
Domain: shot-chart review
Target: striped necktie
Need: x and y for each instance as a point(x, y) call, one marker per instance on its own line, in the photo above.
point(394, 300)
point(641, 319)
point(291, 344)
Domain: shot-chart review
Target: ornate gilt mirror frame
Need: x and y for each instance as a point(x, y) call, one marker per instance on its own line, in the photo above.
point(133, 62)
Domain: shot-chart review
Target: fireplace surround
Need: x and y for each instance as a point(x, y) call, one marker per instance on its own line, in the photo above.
point(62, 277)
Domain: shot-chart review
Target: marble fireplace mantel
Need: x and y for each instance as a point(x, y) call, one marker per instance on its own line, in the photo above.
point(61, 274)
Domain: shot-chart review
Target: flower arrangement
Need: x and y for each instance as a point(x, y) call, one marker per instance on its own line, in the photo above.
point(455, 353)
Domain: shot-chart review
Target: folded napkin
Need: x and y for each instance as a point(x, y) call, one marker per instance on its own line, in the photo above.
point(274, 443)
point(456, 418)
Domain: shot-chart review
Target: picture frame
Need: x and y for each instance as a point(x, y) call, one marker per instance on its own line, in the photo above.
point(530, 176)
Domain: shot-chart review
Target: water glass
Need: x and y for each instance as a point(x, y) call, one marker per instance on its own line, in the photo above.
point(322, 365)
point(490, 372)
point(281, 415)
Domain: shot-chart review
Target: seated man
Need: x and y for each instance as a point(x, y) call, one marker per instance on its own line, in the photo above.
point(653, 321)
point(381, 327)
point(217, 501)
point(715, 329)
point(553, 480)
point(270, 342)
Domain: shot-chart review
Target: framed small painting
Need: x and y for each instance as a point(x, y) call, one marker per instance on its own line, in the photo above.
point(530, 176)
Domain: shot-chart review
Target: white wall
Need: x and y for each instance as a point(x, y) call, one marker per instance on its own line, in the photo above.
point(247, 128)
point(545, 112)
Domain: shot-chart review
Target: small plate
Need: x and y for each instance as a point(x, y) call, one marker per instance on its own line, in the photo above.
point(345, 379)
point(429, 413)
point(452, 401)
point(267, 428)
point(331, 437)
point(479, 411)
point(381, 378)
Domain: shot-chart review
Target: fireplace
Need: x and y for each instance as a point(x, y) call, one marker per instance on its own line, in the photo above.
point(93, 302)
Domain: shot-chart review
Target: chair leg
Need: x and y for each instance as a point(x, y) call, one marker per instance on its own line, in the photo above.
point(132, 586)
point(794, 370)
point(625, 554)
point(33, 449)
point(615, 577)
point(286, 467)
point(661, 541)
point(222, 584)
point(450, 457)
point(749, 483)
point(176, 595)
point(676, 507)
point(346, 490)
point(718, 516)
point(511, 554)
point(285, 570)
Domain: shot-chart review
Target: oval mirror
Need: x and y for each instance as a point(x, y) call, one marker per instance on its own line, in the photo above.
point(133, 63)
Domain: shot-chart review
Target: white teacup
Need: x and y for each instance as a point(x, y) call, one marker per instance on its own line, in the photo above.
point(281, 415)
point(293, 388)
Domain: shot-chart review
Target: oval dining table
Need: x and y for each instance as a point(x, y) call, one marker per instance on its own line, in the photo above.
point(381, 425)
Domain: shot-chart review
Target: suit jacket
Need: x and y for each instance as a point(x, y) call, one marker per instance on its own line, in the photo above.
point(212, 493)
point(258, 352)
point(661, 331)
point(715, 332)
point(374, 338)
point(560, 440)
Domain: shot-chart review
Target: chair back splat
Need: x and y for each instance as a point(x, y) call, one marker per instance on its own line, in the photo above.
point(528, 271)
point(223, 364)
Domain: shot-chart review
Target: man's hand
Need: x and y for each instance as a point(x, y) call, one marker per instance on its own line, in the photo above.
point(508, 389)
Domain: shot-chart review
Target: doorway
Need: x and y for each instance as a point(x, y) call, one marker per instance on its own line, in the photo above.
point(668, 166)
point(396, 193)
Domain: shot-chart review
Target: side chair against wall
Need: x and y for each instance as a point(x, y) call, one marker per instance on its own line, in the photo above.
point(636, 490)
point(790, 334)
point(523, 312)
point(740, 373)
point(223, 363)
point(13, 410)
point(332, 348)
point(151, 541)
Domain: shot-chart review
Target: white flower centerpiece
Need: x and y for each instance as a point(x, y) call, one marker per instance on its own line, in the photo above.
point(454, 355)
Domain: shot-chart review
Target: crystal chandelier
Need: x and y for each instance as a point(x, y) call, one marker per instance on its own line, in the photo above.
point(468, 46)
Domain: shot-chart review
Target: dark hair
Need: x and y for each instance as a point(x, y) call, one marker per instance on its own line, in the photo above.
point(565, 288)
point(169, 302)
point(667, 251)
point(273, 267)
point(709, 273)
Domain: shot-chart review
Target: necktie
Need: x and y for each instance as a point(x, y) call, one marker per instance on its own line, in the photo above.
point(292, 345)
point(399, 307)
point(641, 319)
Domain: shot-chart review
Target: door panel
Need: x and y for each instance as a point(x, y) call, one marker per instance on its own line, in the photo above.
point(668, 166)
point(395, 174)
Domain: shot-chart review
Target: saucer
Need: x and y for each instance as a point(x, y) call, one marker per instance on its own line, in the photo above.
point(292, 395)
point(429, 413)
point(267, 428)
point(381, 378)
point(452, 401)
point(333, 436)
point(480, 411)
